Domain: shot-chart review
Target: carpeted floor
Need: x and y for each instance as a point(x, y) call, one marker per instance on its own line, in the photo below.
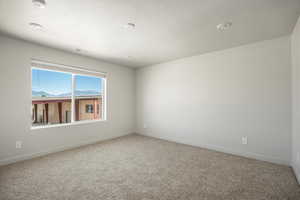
point(141, 168)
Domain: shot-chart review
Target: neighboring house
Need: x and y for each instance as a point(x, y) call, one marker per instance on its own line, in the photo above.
point(57, 110)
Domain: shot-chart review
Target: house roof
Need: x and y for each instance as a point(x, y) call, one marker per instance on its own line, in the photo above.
point(40, 100)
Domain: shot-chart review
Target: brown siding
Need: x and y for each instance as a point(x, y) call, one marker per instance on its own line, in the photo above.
point(89, 116)
point(53, 110)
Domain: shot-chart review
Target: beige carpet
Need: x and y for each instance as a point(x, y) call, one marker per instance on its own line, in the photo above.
point(141, 168)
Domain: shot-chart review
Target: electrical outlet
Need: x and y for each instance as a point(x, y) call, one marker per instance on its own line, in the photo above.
point(18, 144)
point(244, 140)
point(145, 126)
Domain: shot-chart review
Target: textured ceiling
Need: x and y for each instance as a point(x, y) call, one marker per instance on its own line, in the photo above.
point(165, 29)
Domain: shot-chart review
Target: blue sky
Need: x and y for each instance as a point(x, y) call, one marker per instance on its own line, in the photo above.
point(58, 83)
point(88, 83)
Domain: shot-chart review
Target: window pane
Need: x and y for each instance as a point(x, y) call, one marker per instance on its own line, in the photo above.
point(51, 97)
point(88, 98)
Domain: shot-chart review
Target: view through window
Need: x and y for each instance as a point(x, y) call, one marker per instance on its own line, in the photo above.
point(87, 97)
point(65, 97)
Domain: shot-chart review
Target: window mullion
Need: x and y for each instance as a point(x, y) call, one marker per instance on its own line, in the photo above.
point(73, 99)
point(104, 99)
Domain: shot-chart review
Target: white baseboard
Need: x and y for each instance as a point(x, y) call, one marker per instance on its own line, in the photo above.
point(23, 157)
point(297, 172)
point(229, 151)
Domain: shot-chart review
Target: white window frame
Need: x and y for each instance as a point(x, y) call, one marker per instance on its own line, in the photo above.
point(48, 66)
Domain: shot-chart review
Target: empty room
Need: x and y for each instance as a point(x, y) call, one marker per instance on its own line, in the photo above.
point(150, 100)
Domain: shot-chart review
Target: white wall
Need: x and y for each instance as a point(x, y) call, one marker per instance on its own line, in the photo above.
point(15, 91)
point(295, 43)
point(212, 100)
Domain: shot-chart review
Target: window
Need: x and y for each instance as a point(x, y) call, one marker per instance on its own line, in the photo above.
point(66, 96)
point(88, 90)
point(89, 108)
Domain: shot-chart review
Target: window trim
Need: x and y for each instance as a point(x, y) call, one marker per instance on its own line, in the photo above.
point(68, 124)
point(66, 68)
point(76, 71)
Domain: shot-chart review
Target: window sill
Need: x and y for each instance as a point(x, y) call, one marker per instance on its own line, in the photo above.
point(66, 124)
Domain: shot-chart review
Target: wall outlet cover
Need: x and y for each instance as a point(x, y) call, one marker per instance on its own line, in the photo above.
point(145, 126)
point(244, 140)
point(18, 144)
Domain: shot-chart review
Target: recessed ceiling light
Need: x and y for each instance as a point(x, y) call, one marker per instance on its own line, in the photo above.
point(224, 26)
point(39, 3)
point(129, 25)
point(36, 26)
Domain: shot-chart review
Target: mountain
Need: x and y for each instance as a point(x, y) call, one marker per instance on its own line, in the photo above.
point(86, 93)
point(81, 93)
point(40, 94)
point(77, 93)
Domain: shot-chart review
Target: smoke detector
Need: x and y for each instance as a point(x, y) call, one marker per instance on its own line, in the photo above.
point(224, 26)
point(39, 3)
point(129, 25)
point(36, 26)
